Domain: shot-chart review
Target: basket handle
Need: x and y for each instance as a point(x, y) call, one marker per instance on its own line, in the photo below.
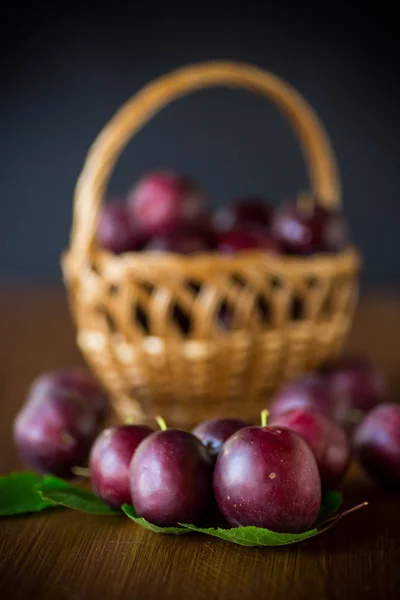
point(137, 111)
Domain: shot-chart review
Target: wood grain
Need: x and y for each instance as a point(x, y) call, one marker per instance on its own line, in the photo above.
point(71, 556)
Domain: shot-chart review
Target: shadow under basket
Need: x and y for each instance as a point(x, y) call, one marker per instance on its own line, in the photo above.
point(191, 337)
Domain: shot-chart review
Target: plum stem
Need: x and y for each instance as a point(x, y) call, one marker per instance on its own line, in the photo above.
point(129, 420)
point(264, 417)
point(81, 472)
point(338, 516)
point(161, 423)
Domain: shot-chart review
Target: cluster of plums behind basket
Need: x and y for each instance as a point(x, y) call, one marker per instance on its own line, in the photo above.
point(194, 317)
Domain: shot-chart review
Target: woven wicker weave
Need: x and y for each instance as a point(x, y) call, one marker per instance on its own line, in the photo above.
point(153, 328)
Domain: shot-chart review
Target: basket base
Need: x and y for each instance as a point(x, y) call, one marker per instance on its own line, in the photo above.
point(199, 383)
point(197, 380)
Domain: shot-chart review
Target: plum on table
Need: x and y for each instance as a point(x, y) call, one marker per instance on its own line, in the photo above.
point(268, 477)
point(377, 443)
point(213, 433)
point(170, 478)
point(77, 381)
point(310, 390)
point(359, 380)
point(54, 431)
point(326, 439)
point(110, 457)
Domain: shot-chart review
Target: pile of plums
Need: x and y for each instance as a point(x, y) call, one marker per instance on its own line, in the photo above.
point(269, 475)
point(166, 212)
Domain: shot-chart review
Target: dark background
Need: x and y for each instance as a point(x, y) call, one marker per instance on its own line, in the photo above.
point(67, 68)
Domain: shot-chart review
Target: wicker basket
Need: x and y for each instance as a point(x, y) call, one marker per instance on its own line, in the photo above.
point(287, 315)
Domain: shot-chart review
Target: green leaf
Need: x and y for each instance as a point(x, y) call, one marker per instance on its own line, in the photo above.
point(256, 536)
point(18, 494)
point(131, 513)
point(330, 504)
point(65, 494)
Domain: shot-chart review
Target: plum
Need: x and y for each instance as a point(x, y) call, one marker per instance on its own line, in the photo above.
point(214, 432)
point(310, 390)
point(204, 227)
point(110, 457)
point(236, 241)
point(377, 443)
point(247, 238)
point(326, 439)
point(243, 211)
point(359, 380)
point(76, 381)
point(163, 201)
point(306, 227)
point(117, 231)
point(54, 431)
point(180, 242)
point(170, 478)
point(268, 477)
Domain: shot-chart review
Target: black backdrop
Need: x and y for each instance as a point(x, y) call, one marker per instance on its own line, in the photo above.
point(67, 68)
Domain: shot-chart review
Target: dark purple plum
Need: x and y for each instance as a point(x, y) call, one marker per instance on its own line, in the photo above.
point(214, 432)
point(244, 211)
point(54, 431)
point(180, 242)
point(359, 380)
point(205, 228)
point(312, 391)
point(377, 444)
point(117, 231)
point(235, 241)
point(163, 201)
point(326, 439)
point(268, 477)
point(306, 227)
point(247, 238)
point(110, 458)
point(170, 478)
point(75, 381)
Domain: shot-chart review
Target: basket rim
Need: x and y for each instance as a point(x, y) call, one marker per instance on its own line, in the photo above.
point(348, 259)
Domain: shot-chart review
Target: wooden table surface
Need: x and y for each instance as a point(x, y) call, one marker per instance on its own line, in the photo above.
point(68, 555)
